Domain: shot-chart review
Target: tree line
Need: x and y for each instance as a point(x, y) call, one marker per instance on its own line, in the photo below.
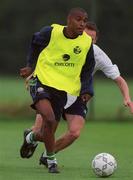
point(20, 19)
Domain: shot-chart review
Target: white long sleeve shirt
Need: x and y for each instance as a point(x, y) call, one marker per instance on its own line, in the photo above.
point(104, 64)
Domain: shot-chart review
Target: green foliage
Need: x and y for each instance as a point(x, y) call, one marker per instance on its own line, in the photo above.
point(20, 19)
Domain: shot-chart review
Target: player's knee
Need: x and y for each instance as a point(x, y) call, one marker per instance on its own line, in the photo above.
point(74, 134)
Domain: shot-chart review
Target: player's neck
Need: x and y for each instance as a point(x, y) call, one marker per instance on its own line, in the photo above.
point(68, 33)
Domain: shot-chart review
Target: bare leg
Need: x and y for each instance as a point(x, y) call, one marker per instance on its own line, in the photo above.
point(48, 125)
point(39, 125)
point(75, 124)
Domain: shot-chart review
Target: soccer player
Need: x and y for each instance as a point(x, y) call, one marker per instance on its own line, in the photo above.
point(64, 63)
point(104, 64)
point(110, 70)
point(73, 119)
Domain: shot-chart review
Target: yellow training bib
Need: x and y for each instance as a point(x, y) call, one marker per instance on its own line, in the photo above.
point(59, 64)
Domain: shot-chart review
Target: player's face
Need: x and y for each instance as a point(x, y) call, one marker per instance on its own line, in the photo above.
point(77, 23)
point(92, 33)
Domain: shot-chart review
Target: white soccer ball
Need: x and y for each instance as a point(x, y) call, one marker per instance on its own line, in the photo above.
point(104, 164)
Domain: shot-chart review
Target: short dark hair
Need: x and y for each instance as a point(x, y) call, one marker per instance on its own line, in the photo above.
point(92, 26)
point(75, 10)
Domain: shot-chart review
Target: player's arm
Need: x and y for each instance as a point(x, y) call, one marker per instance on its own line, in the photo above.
point(122, 84)
point(111, 71)
point(87, 96)
point(39, 41)
point(86, 76)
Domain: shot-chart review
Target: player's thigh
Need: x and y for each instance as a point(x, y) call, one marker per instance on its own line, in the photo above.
point(44, 108)
point(75, 122)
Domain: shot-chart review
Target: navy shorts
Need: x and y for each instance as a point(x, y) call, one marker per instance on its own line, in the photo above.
point(56, 97)
point(77, 108)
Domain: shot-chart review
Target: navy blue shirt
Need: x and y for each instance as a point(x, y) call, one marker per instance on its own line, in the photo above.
point(41, 39)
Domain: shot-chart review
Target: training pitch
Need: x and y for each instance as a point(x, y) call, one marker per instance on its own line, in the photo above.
point(74, 162)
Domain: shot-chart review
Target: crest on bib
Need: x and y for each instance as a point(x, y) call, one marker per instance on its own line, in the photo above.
point(77, 50)
point(66, 57)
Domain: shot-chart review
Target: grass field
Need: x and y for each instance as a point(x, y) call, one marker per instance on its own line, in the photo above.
point(108, 102)
point(113, 135)
point(74, 162)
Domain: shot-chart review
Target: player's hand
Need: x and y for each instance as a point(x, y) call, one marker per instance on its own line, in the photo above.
point(130, 105)
point(25, 72)
point(27, 81)
point(85, 97)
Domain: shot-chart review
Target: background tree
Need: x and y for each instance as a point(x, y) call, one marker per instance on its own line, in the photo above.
point(20, 19)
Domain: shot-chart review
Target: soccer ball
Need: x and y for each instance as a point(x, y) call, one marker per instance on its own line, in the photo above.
point(104, 164)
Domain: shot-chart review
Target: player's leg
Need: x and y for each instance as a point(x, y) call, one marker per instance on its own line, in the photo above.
point(36, 128)
point(49, 102)
point(48, 131)
point(48, 126)
point(75, 125)
point(57, 103)
point(75, 118)
point(29, 151)
point(38, 123)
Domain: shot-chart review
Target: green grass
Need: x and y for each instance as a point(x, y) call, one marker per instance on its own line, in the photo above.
point(74, 162)
point(108, 102)
point(112, 136)
point(13, 90)
point(108, 99)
